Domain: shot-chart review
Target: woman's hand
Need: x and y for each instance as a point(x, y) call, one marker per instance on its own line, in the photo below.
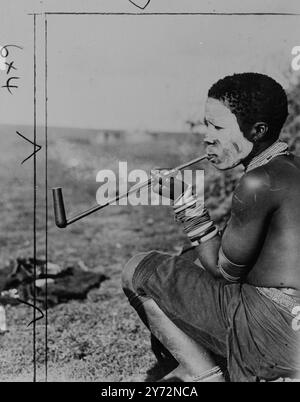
point(167, 184)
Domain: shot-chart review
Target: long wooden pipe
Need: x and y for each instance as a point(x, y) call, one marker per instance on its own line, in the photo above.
point(59, 207)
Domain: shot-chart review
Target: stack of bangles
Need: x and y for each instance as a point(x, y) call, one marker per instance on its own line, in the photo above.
point(196, 221)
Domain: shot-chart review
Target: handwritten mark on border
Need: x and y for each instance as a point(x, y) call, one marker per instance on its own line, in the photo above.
point(8, 85)
point(37, 147)
point(36, 308)
point(141, 4)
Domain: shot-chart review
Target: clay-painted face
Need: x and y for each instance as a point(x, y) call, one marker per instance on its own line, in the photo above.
point(226, 144)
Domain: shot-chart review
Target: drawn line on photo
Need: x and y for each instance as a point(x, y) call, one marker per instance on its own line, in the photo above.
point(39, 147)
point(165, 13)
point(137, 3)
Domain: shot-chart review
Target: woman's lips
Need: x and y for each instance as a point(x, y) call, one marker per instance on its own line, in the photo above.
point(212, 157)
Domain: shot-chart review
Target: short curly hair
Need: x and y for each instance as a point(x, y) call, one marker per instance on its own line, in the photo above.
point(253, 98)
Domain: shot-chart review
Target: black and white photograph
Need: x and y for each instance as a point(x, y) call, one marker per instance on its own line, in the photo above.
point(150, 193)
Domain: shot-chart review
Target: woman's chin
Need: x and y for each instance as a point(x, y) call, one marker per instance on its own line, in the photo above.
point(221, 167)
point(224, 165)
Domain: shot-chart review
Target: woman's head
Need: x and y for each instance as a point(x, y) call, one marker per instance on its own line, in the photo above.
point(241, 110)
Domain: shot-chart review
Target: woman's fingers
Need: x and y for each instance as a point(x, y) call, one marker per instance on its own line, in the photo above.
point(166, 185)
point(161, 184)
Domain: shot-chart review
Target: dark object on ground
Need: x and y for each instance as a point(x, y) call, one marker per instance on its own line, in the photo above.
point(73, 282)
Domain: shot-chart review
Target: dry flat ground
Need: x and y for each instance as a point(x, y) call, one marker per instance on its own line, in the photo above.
point(99, 339)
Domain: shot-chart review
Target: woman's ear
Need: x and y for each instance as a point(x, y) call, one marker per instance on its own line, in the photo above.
point(259, 131)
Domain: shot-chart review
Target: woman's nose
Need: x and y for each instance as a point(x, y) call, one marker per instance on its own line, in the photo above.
point(209, 138)
point(207, 133)
point(209, 141)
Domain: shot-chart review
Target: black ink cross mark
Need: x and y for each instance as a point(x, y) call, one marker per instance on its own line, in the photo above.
point(8, 86)
point(141, 4)
point(37, 147)
point(10, 66)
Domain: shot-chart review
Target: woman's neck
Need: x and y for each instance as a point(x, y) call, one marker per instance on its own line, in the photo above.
point(258, 148)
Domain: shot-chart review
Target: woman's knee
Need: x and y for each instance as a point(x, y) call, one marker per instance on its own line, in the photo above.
point(129, 270)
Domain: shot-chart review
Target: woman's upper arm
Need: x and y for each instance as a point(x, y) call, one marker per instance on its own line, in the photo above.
point(251, 208)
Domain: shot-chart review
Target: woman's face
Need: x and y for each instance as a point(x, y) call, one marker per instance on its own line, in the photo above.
point(226, 144)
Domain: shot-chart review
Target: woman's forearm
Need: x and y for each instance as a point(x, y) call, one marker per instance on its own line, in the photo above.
point(208, 253)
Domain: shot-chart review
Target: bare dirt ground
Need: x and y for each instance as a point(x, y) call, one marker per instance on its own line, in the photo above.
point(99, 339)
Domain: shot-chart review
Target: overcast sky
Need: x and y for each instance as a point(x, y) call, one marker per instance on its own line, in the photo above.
point(139, 72)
